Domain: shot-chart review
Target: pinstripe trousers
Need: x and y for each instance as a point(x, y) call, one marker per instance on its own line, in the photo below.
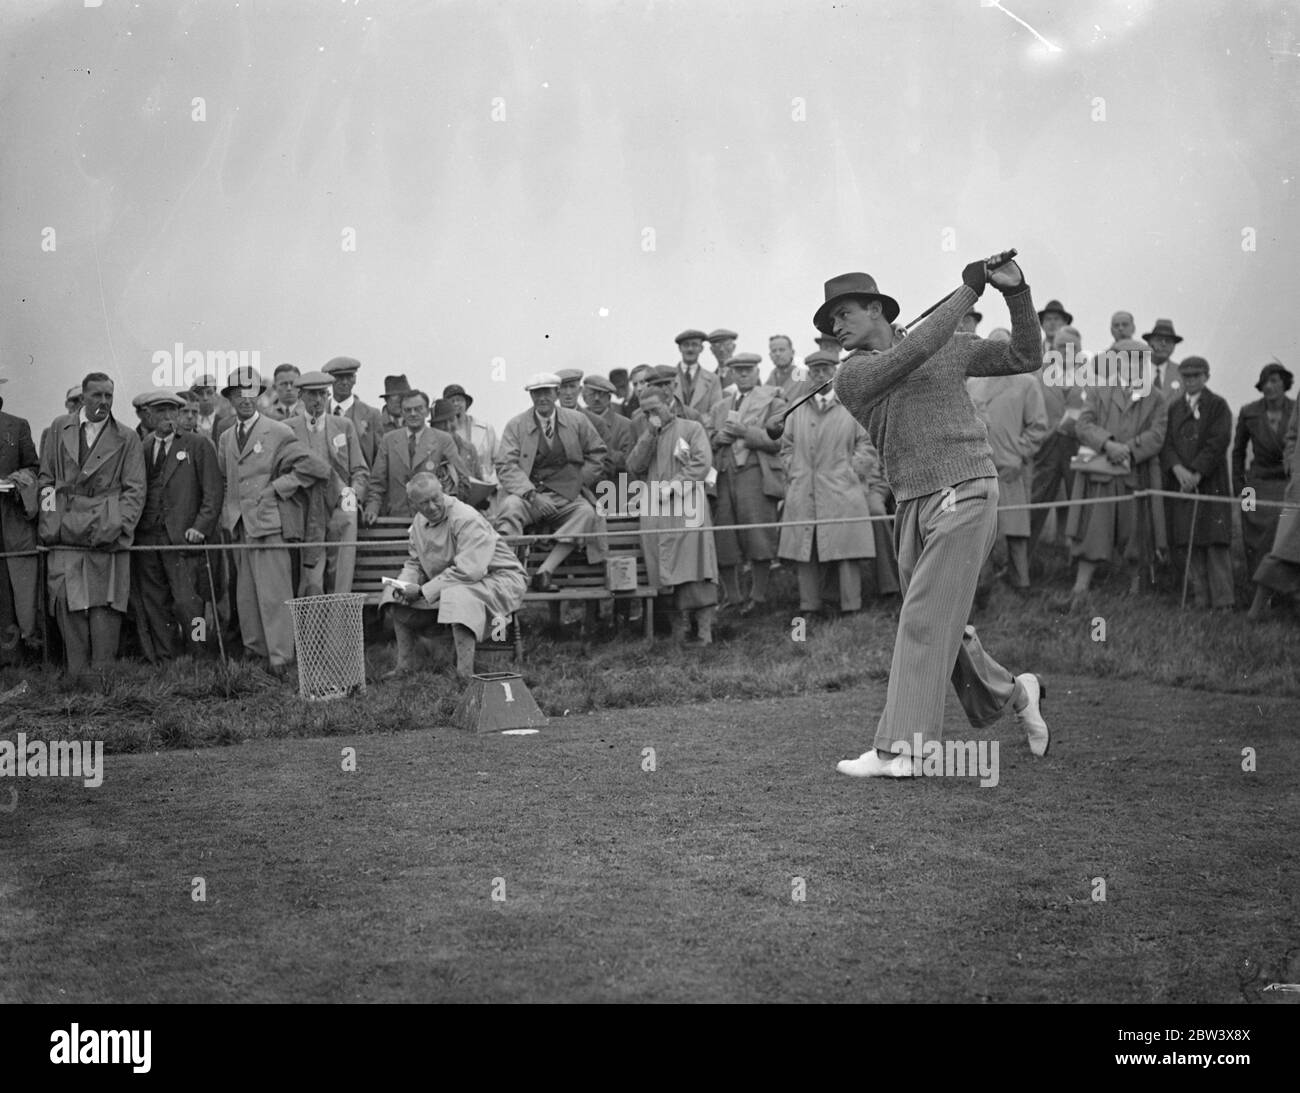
point(942, 541)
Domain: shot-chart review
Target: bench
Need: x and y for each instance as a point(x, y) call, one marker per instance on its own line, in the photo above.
point(576, 579)
point(377, 562)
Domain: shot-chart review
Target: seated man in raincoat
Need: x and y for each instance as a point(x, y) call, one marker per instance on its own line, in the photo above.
point(459, 574)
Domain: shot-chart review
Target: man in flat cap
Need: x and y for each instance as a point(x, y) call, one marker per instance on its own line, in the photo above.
point(19, 502)
point(394, 388)
point(910, 393)
point(460, 574)
point(480, 435)
point(93, 485)
point(787, 376)
point(614, 429)
point(281, 401)
point(722, 344)
point(1195, 461)
point(264, 465)
point(182, 506)
point(402, 455)
point(213, 410)
point(672, 456)
point(696, 385)
point(549, 460)
point(665, 380)
point(144, 418)
point(1162, 338)
point(622, 392)
point(969, 322)
point(333, 440)
point(187, 417)
point(827, 455)
point(1261, 431)
point(751, 480)
point(367, 420)
point(570, 387)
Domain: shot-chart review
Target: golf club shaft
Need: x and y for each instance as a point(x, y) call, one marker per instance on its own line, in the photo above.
point(996, 262)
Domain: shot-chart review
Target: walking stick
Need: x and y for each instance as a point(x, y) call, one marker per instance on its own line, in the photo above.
point(1191, 538)
point(216, 614)
point(996, 262)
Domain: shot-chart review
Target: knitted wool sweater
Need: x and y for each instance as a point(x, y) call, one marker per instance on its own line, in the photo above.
point(912, 397)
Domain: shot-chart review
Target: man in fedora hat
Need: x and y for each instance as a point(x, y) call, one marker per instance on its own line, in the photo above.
point(910, 393)
point(1198, 432)
point(394, 388)
point(19, 466)
point(367, 420)
point(548, 462)
point(182, 504)
point(1162, 338)
point(697, 387)
point(92, 484)
point(264, 464)
point(1052, 318)
point(1261, 431)
point(618, 377)
point(481, 436)
point(332, 439)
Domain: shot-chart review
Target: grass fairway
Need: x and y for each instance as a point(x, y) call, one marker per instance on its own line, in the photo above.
point(623, 884)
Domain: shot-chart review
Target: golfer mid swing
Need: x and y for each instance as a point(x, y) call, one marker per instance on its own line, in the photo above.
point(910, 394)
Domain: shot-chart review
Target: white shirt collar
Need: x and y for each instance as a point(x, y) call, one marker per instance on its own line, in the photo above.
point(345, 405)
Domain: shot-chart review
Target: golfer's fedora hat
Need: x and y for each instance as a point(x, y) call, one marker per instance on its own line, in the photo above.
point(849, 286)
point(1163, 329)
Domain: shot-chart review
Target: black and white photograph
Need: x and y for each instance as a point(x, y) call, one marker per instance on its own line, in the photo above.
point(650, 501)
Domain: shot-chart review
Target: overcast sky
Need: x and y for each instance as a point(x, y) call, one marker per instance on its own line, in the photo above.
point(651, 166)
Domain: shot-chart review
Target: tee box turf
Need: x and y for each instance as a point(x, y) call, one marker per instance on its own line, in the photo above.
point(495, 702)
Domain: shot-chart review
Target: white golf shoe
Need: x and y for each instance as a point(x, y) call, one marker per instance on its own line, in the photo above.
point(870, 765)
point(1030, 716)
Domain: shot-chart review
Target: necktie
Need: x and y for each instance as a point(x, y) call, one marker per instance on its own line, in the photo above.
point(84, 437)
point(159, 454)
point(241, 434)
point(315, 424)
point(823, 402)
point(548, 425)
point(410, 447)
point(338, 412)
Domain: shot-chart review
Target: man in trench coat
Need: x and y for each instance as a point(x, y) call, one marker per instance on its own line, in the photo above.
point(92, 485)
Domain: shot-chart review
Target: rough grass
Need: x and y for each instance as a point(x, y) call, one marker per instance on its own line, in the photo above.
point(623, 883)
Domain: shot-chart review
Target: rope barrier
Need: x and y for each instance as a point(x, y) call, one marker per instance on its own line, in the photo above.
point(389, 544)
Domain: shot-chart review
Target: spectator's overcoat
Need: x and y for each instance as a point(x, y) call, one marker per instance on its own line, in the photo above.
point(1200, 443)
point(95, 505)
point(679, 454)
point(826, 454)
point(17, 506)
point(1013, 411)
point(475, 575)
